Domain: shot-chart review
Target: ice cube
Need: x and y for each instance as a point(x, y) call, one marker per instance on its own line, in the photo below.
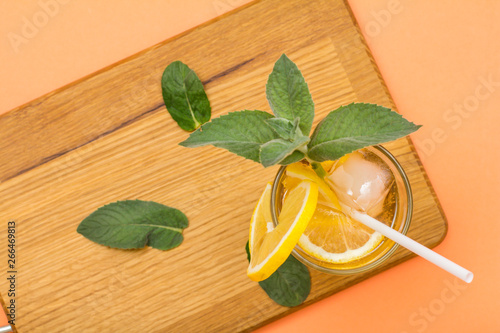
point(361, 182)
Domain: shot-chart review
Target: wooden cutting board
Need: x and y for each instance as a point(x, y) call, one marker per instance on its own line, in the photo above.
point(109, 137)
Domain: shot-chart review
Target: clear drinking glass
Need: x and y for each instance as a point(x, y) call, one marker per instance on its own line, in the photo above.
point(399, 218)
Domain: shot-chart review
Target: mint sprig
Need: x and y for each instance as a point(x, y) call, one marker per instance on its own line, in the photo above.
point(283, 139)
point(133, 224)
point(184, 96)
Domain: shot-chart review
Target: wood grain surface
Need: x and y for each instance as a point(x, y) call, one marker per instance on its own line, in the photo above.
point(109, 137)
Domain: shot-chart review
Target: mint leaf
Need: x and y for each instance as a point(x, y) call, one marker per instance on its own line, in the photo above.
point(284, 150)
point(356, 126)
point(285, 128)
point(247, 249)
point(184, 96)
point(289, 285)
point(293, 157)
point(277, 150)
point(241, 132)
point(288, 94)
point(133, 224)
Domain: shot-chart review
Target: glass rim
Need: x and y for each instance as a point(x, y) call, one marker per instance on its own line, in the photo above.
point(406, 223)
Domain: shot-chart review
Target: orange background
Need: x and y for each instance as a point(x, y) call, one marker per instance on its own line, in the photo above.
point(441, 62)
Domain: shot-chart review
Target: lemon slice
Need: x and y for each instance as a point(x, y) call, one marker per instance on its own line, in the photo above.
point(334, 237)
point(269, 246)
point(297, 172)
point(331, 235)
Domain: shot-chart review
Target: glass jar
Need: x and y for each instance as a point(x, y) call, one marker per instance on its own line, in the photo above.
point(400, 220)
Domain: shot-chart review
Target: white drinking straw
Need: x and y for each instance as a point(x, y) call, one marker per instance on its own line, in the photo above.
point(6, 329)
point(411, 245)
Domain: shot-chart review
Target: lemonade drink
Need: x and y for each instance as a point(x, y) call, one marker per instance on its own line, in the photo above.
point(369, 180)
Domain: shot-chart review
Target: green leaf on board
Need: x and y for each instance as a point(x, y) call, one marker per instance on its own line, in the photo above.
point(133, 224)
point(356, 126)
point(184, 96)
point(289, 285)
